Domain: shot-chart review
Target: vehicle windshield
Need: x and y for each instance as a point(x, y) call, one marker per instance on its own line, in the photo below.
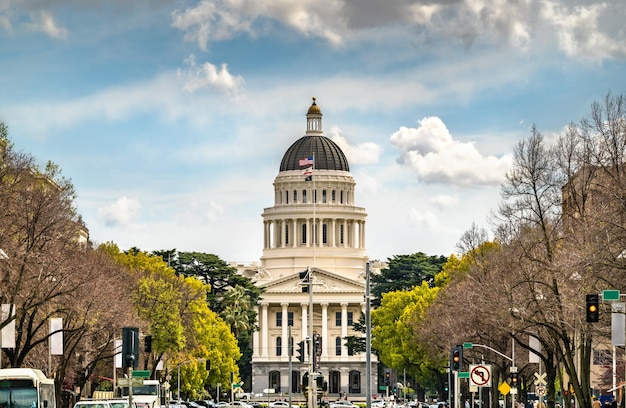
point(18, 398)
point(142, 390)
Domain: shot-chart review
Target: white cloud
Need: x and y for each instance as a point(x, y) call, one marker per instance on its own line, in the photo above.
point(120, 213)
point(436, 157)
point(580, 33)
point(363, 153)
point(445, 201)
point(45, 22)
point(207, 76)
point(423, 219)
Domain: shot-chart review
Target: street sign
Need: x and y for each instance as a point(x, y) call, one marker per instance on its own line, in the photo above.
point(541, 379)
point(269, 391)
point(610, 295)
point(467, 345)
point(480, 375)
point(141, 373)
point(126, 382)
point(463, 374)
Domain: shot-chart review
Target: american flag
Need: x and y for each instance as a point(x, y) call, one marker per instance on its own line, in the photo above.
point(307, 161)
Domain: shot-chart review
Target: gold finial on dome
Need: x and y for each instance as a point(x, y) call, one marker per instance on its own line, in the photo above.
point(314, 108)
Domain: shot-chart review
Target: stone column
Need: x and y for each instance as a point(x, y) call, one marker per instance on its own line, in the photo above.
point(285, 342)
point(265, 334)
point(325, 339)
point(344, 327)
point(255, 337)
point(305, 320)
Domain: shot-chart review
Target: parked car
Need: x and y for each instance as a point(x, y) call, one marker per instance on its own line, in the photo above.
point(92, 404)
point(239, 404)
point(342, 404)
point(282, 404)
point(121, 403)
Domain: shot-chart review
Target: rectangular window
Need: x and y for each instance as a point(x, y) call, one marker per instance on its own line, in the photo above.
point(279, 319)
point(289, 318)
point(286, 197)
point(338, 319)
point(324, 234)
point(350, 319)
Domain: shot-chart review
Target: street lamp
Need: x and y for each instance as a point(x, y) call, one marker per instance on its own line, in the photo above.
point(197, 360)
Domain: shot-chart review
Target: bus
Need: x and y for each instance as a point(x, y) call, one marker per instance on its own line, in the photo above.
point(26, 388)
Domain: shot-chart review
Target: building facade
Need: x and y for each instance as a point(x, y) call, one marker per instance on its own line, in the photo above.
point(313, 225)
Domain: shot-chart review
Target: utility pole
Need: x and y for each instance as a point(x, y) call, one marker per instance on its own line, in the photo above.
point(312, 379)
point(368, 341)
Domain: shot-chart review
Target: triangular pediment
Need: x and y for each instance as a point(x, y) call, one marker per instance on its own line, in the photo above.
point(323, 282)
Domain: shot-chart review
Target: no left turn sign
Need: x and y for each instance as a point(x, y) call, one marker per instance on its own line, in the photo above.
point(480, 375)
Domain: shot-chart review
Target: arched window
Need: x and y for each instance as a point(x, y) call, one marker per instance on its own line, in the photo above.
point(304, 196)
point(324, 234)
point(274, 380)
point(279, 346)
point(324, 196)
point(304, 233)
point(338, 346)
point(355, 382)
point(334, 383)
point(295, 382)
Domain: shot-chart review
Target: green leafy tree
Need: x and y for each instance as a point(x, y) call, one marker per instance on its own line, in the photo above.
point(404, 272)
point(394, 331)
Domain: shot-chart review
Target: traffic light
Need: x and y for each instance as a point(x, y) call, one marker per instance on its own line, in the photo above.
point(130, 347)
point(305, 379)
point(387, 376)
point(456, 358)
point(513, 380)
point(593, 308)
point(305, 278)
point(300, 351)
point(208, 365)
point(319, 380)
point(147, 344)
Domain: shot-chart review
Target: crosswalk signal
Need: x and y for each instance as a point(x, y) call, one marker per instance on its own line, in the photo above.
point(456, 358)
point(593, 308)
point(300, 351)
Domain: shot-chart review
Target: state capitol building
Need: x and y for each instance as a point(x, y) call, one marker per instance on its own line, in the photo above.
point(314, 224)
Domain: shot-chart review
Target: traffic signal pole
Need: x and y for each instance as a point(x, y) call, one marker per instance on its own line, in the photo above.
point(312, 379)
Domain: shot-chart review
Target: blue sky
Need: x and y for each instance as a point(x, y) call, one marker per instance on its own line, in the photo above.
point(171, 117)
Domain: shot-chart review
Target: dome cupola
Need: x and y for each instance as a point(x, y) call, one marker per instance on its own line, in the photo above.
point(328, 156)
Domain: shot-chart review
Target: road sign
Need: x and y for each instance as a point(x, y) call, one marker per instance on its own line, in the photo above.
point(540, 390)
point(269, 391)
point(463, 374)
point(610, 295)
point(541, 379)
point(480, 375)
point(504, 388)
point(468, 345)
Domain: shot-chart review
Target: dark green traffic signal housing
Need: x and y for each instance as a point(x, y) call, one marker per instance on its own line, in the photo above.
point(305, 278)
point(456, 358)
point(300, 351)
point(593, 308)
point(513, 380)
point(130, 347)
